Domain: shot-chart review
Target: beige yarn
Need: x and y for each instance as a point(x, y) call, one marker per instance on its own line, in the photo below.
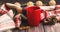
point(30, 3)
point(39, 3)
point(52, 2)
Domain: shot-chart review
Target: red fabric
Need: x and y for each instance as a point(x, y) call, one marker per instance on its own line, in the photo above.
point(44, 14)
point(51, 13)
point(4, 9)
point(16, 21)
point(58, 14)
point(57, 6)
point(33, 15)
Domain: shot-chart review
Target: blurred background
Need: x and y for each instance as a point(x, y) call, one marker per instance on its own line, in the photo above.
point(24, 1)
